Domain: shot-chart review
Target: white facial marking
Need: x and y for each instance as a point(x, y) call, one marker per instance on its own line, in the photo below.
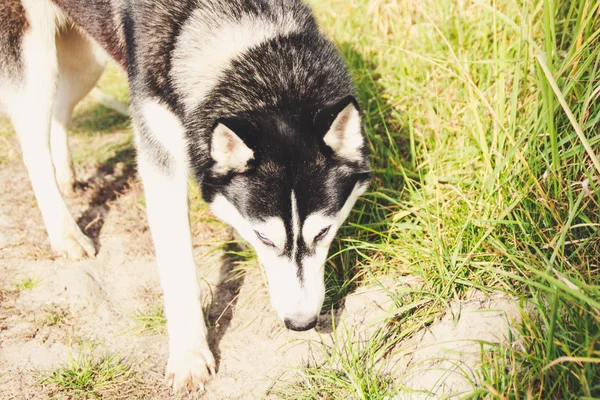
point(319, 220)
point(207, 46)
point(289, 297)
point(274, 230)
point(314, 224)
point(229, 151)
point(227, 212)
point(295, 227)
point(358, 190)
point(345, 135)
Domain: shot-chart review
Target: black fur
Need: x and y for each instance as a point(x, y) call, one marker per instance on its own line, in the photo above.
point(13, 24)
point(280, 98)
point(157, 27)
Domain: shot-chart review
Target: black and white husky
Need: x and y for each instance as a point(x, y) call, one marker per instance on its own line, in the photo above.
point(246, 95)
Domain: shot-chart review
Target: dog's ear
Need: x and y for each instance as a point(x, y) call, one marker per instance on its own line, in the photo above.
point(229, 152)
point(341, 126)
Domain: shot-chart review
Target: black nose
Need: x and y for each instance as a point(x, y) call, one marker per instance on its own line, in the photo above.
point(295, 326)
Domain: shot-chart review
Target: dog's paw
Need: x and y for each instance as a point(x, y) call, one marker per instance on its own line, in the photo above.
point(74, 245)
point(190, 370)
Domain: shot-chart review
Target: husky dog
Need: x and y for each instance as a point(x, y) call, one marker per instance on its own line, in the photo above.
point(246, 95)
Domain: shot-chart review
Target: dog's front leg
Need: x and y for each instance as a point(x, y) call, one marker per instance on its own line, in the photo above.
point(163, 168)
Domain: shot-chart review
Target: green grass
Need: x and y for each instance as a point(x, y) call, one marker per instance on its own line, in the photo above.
point(92, 377)
point(107, 151)
point(26, 283)
point(103, 136)
point(482, 120)
point(112, 83)
point(54, 315)
point(150, 321)
point(94, 119)
point(350, 368)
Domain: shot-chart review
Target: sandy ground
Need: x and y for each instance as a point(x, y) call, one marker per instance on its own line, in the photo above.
point(96, 301)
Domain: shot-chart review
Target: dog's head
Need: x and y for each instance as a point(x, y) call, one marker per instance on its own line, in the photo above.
point(286, 184)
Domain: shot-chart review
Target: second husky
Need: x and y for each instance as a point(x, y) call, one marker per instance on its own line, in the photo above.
point(245, 95)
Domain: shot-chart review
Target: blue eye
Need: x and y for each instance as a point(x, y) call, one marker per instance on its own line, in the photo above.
point(264, 239)
point(322, 234)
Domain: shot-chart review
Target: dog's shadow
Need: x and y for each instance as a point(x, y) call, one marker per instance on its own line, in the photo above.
point(111, 179)
point(112, 176)
point(224, 298)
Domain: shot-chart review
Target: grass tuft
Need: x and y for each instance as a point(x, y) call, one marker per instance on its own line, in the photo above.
point(27, 283)
point(92, 377)
point(350, 368)
point(55, 315)
point(151, 321)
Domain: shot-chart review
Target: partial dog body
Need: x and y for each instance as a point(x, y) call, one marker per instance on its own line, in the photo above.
point(247, 96)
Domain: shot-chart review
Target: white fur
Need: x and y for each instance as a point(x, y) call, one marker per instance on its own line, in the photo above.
point(273, 229)
point(190, 360)
point(297, 300)
point(166, 128)
point(295, 226)
point(30, 109)
point(290, 297)
point(315, 223)
point(204, 50)
point(80, 63)
point(345, 135)
point(227, 212)
point(358, 190)
point(229, 151)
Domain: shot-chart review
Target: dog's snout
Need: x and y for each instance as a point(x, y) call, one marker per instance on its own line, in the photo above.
point(299, 325)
